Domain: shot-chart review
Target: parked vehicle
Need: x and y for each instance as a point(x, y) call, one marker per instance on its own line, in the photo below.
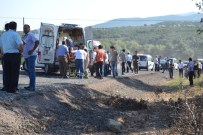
point(37, 64)
point(185, 63)
point(50, 38)
point(201, 61)
point(145, 62)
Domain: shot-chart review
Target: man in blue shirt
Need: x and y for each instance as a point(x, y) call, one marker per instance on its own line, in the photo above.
point(63, 61)
point(29, 53)
point(12, 46)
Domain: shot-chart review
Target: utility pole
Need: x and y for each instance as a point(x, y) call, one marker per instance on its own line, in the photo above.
point(23, 21)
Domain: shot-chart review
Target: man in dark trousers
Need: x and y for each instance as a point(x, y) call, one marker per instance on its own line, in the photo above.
point(190, 67)
point(2, 59)
point(12, 47)
point(135, 62)
point(129, 62)
point(123, 60)
point(100, 58)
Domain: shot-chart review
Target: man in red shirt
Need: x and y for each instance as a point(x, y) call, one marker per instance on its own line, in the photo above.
point(100, 58)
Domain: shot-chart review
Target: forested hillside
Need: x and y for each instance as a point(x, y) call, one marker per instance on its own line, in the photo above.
point(173, 39)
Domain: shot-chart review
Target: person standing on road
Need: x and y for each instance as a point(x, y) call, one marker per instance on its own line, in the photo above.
point(129, 62)
point(180, 68)
point(63, 60)
point(106, 65)
point(92, 66)
point(29, 53)
point(123, 60)
point(165, 66)
point(86, 64)
point(12, 48)
point(199, 69)
point(159, 62)
point(156, 62)
point(2, 58)
point(135, 62)
point(196, 65)
point(114, 61)
point(109, 65)
point(190, 67)
point(170, 69)
point(80, 56)
point(100, 59)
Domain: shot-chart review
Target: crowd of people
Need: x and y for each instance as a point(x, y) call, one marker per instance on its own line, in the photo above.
point(191, 70)
point(98, 61)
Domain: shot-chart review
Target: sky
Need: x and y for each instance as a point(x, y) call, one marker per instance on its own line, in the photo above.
point(86, 12)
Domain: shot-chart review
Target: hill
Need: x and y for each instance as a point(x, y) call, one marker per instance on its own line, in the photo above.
point(125, 22)
point(178, 39)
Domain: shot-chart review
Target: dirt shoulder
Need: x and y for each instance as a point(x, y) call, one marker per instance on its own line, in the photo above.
point(78, 108)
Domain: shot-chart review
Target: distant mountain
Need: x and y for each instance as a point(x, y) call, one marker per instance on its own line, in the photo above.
point(125, 22)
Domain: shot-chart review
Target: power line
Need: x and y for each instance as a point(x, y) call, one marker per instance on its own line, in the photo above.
point(115, 20)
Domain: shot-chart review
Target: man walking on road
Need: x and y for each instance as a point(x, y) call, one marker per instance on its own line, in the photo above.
point(12, 48)
point(135, 62)
point(30, 45)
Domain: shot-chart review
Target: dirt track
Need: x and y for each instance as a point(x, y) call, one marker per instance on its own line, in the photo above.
point(74, 107)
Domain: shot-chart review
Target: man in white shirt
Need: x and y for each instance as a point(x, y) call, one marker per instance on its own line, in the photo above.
point(199, 69)
point(80, 56)
point(129, 62)
point(156, 62)
point(106, 64)
point(180, 68)
point(2, 58)
point(12, 48)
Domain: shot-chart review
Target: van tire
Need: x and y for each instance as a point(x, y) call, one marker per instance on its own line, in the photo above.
point(47, 69)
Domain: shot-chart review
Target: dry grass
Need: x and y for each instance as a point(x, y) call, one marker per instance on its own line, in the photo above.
point(182, 83)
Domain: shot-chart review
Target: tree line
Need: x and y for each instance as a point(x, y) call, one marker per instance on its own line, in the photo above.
point(167, 39)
